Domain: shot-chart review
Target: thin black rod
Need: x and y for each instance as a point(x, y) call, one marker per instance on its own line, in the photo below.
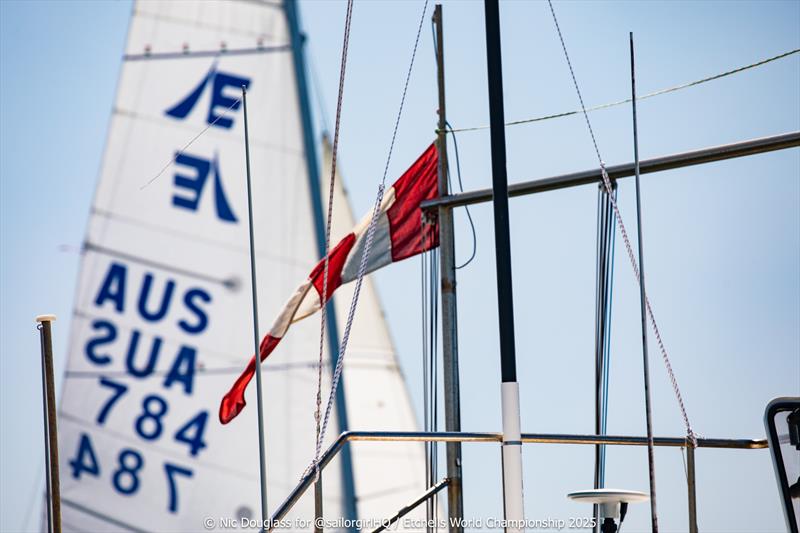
point(426, 496)
point(505, 300)
point(625, 170)
point(642, 301)
point(262, 450)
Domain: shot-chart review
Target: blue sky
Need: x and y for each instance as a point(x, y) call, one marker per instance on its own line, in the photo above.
point(722, 240)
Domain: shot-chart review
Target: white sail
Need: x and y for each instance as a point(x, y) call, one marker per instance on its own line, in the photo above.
point(162, 323)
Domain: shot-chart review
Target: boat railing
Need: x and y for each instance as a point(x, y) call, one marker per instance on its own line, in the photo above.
point(527, 438)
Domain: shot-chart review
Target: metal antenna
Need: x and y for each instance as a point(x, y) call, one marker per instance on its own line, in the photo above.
point(262, 451)
point(642, 297)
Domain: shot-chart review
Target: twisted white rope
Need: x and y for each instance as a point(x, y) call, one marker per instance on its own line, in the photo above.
point(324, 296)
point(607, 184)
point(364, 256)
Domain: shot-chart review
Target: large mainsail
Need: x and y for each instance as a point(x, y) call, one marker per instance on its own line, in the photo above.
point(162, 312)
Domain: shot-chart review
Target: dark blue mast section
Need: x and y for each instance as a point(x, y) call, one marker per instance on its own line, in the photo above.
point(298, 54)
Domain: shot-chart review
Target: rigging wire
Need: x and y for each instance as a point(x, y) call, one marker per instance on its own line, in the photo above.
point(606, 365)
point(637, 271)
point(429, 269)
point(458, 171)
point(644, 97)
point(324, 295)
point(434, 362)
point(425, 381)
point(368, 244)
point(466, 207)
point(634, 265)
point(603, 304)
point(191, 141)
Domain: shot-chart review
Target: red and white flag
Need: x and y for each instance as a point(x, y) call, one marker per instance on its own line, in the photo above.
point(398, 234)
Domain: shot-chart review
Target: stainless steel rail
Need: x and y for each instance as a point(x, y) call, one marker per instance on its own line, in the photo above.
point(527, 438)
point(657, 164)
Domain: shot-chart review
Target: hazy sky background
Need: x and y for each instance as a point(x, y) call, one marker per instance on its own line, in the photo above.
point(722, 241)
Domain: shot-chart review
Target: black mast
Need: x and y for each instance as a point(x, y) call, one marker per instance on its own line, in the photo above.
point(512, 443)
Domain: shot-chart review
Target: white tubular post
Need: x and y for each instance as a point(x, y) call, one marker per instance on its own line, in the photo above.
point(512, 459)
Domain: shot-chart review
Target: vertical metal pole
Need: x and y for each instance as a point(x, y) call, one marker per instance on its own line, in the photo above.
point(262, 451)
point(512, 444)
point(47, 489)
point(318, 504)
point(298, 55)
point(51, 427)
point(642, 297)
point(452, 394)
point(690, 481)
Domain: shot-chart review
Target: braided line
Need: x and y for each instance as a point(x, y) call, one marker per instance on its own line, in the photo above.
point(629, 249)
point(364, 256)
point(626, 240)
point(324, 295)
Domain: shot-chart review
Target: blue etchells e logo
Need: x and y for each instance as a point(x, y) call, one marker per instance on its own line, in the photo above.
point(218, 81)
point(190, 182)
point(189, 186)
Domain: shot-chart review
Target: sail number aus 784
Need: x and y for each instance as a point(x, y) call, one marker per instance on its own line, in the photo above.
point(148, 425)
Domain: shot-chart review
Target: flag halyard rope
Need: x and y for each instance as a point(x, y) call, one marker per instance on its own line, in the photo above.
point(367, 247)
point(323, 297)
